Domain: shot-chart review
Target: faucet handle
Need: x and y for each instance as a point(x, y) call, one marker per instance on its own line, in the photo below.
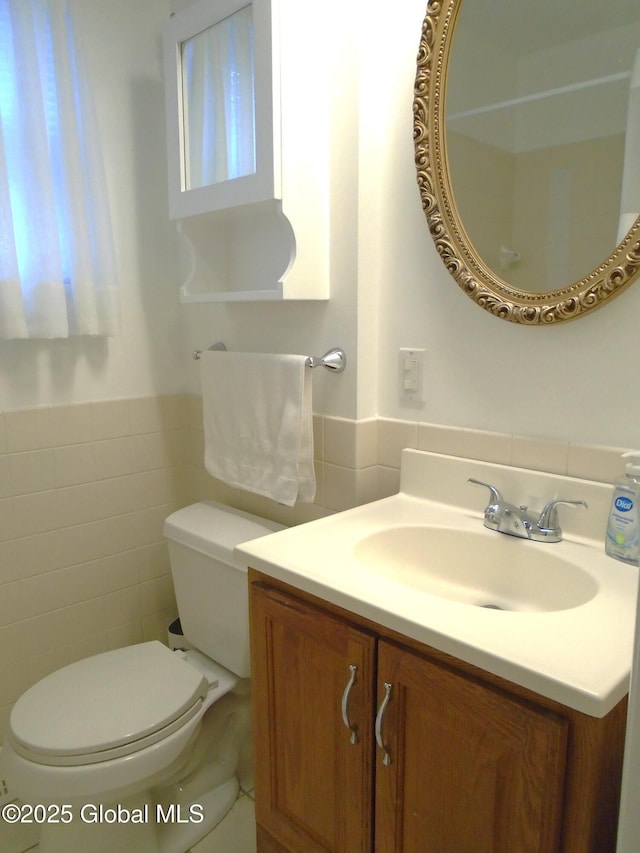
point(495, 509)
point(496, 497)
point(549, 516)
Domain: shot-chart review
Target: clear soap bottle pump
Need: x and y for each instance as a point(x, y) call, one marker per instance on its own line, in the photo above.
point(623, 539)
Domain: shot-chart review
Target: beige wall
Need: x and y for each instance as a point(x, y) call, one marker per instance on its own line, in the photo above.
point(554, 186)
point(534, 202)
point(482, 184)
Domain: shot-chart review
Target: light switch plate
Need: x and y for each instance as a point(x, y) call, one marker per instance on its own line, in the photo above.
point(411, 365)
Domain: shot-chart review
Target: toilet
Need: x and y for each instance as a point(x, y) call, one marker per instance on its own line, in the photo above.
point(144, 748)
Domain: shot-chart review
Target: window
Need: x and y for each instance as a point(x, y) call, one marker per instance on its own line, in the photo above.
point(57, 270)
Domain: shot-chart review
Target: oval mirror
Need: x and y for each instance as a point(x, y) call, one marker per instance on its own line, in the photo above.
point(527, 143)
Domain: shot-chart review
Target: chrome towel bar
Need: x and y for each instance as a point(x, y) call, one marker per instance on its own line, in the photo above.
point(334, 359)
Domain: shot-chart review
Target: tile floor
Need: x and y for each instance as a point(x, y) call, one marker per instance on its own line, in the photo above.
point(235, 834)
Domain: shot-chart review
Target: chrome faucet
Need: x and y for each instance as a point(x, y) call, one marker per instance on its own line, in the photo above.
point(514, 520)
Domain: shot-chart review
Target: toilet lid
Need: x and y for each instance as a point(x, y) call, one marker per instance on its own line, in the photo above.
point(106, 701)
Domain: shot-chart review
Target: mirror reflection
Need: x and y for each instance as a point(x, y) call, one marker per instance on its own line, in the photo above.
point(219, 135)
point(542, 130)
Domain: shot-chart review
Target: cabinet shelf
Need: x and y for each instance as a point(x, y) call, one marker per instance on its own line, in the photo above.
point(217, 264)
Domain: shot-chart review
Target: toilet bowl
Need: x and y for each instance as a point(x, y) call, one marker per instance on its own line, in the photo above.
point(145, 747)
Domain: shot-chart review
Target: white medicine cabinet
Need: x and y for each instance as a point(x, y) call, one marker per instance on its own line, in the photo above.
point(248, 137)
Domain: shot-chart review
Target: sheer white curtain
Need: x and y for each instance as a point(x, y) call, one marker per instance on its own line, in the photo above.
point(57, 269)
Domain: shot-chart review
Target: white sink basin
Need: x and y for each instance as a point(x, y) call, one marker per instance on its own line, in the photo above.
point(488, 570)
point(421, 564)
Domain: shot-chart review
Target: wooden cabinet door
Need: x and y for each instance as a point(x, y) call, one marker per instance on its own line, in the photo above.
point(313, 784)
point(471, 770)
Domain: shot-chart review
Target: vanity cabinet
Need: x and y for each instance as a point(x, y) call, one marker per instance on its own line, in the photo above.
point(314, 784)
point(366, 741)
point(470, 769)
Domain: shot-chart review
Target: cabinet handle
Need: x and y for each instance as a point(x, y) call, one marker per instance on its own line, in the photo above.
point(379, 716)
point(353, 728)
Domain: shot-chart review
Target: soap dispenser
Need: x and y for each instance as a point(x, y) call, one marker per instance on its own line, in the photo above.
point(622, 540)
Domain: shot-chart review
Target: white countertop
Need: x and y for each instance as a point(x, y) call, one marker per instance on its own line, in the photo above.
point(580, 657)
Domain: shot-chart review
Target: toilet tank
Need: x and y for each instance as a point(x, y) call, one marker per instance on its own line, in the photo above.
point(210, 582)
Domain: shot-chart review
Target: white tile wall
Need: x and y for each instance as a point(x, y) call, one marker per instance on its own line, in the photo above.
point(84, 491)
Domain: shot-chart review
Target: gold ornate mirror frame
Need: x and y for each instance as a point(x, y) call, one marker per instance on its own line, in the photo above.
point(472, 275)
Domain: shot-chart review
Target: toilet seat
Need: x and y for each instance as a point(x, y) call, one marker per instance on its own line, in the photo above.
point(81, 713)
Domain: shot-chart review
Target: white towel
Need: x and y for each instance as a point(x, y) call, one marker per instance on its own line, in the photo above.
point(258, 426)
